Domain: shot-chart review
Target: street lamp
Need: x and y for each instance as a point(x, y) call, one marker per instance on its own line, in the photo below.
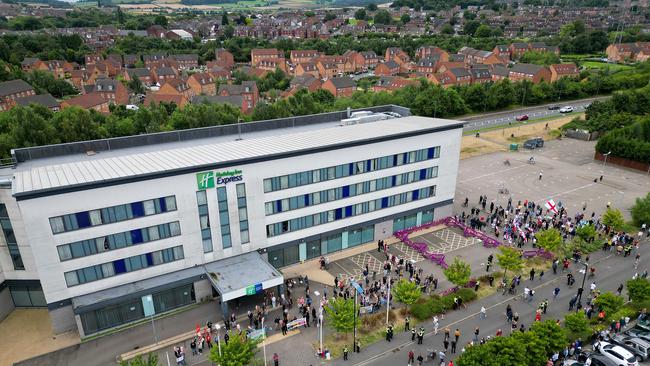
point(264, 340)
point(218, 337)
point(149, 299)
point(606, 155)
point(388, 300)
point(582, 288)
point(320, 319)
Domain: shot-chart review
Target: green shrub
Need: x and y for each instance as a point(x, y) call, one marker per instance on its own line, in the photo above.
point(421, 310)
point(623, 313)
point(467, 294)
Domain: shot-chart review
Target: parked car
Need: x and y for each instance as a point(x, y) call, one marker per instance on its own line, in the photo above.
point(596, 359)
point(637, 346)
point(566, 109)
point(523, 117)
point(616, 353)
point(553, 107)
point(534, 143)
point(638, 333)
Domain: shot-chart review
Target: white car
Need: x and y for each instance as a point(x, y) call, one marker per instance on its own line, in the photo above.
point(618, 354)
point(567, 109)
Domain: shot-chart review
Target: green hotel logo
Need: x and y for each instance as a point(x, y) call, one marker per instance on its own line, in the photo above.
point(207, 180)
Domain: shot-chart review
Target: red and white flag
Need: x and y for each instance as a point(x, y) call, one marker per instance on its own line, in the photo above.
point(551, 205)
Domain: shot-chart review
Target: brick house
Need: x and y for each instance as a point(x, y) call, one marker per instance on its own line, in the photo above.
point(365, 60)
point(480, 75)
point(452, 77)
point(92, 59)
point(12, 90)
point(145, 75)
point(224, 58)
point(431, 51)
point(202, 83)
point(474, 56)
point(156, 98)
point(111, 90)
point(559, 71)
point(89, 101)
point(163, 74)
point(306, 81)
point(299, 56)
point(328, 70)
point(272, 64)
point(388, 68)
point(308, 68)
point(248, 90)
point(530, 72)
point(624, 52)
point(176, 87)
point(517, 49)
point(392, 83)
point(500, 72)
point(396, 54)
point(340, 86)
point(428, 65)
point(46, 100)
point(502, 51)
point(186, 60)
point(259, 54)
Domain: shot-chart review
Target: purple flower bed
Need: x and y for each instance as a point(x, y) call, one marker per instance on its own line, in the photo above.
point(538, 253)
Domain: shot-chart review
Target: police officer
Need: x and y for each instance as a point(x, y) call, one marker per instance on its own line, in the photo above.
point(412, 334)
point(407, 324)
point(345, 353)
point(420, 335)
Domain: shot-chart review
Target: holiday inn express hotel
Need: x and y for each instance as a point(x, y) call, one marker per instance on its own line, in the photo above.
point(104, 233)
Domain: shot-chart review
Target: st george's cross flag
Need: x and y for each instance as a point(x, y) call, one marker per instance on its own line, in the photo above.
point(550, 204)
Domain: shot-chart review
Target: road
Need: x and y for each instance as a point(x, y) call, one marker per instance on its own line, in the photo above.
point(612, 270)
point(503, 118)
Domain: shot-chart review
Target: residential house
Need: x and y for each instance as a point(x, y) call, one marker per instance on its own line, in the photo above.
point(248, 90)
point(259, 54)
point(517, 49)
point(452, 77)
point(89, 101)
point(502, 51)
point(131, 60)
point(340, 86)
point(365, 60)
point(46, 100)
point(224, 59)
point(202, 83)
point(78, 78)
point(474, 56)
point(392, 83)
point(12, 90)
point(396, 54)
point(388, 68)
point(176, 87)
point(177, 99)
point(500, 72)
point(93, 59)
point(480, 75)
point(559, 71)
point(153, 57)
point(186, 61)
point(530, 72)
point(305, 81)
point(627, 52)
point(111, 90)
point(219, 73)
point(31, 63)
point(309, 68)
point(542, 47)
point(299, 56)
point(156, 31)
point(59, 68)
point(431, 51)
point(272, 64)
point(145, 75)
point(179, 34)
point(163, 74)
point(444, 66)
point(428, 65)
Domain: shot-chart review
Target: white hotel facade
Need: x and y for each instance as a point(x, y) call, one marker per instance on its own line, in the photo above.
point(105, 233)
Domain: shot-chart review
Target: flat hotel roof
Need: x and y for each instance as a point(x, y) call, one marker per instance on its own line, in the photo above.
point(59, 174)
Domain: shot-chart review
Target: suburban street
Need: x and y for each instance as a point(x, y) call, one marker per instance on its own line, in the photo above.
point(486, 120)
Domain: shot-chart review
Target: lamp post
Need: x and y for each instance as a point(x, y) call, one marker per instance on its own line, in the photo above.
point(388, 300)
point(606, 155)
point(264, 340)
point(582, 288)
point(149, 299)
point(218, 337)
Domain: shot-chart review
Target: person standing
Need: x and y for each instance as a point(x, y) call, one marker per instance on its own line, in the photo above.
point(445, 344)
point(407, 324)
point(345, 353)
point(476, 332)
point(482, 314)
point(453, 346)
point(276, 359)
point(413, 335)
point(411, 357)
point(556, 292)
point(358, 346)
point(540, 175)
point(436, 323)
point(532, 274)
point(457, 334)
point(420, 335)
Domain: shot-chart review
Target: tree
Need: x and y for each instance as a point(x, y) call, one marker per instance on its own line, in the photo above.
point(329, 16)
point(550, 334)
point(483, 31)
point(151, 360)
point(447, 29)
point(382, 17)
point(641, 211)
point(405, 18)
point(340, 314)
point(468, 15)
point(509, 259)
point(360, 14)
point(576, 323)
point(586, 232)
point(135, 85)
point(458, 272)
point(371, 7)
point(239, 351)
point(549, 239)
point(224, 18)
point(609, 302)
point(638, 290)
point(614, 219)
point(161, 20)
point(470, 27)
point(406, 292)
point(540, 58)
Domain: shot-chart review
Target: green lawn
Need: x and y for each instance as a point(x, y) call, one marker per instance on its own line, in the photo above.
point(602, 65)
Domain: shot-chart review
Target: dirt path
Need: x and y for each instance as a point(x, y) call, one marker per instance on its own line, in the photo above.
point(499, 140)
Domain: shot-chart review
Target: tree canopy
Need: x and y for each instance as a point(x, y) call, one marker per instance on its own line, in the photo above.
point(458, 272)
point(406, 292)
point(641, 211)
point(509, 259)
point(549, 239)
point(339, 314)
point(239, 351)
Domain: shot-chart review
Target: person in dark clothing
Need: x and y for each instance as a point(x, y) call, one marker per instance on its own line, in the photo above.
point(453, 346)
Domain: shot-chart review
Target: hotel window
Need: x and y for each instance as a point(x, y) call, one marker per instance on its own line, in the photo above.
point(102, 244)
point(349, 211)
point(243, 212)
point(222, 199)
point(10, 238)
point(109, 215)
point(114, 268)
point(204, 220)
point(344, 170)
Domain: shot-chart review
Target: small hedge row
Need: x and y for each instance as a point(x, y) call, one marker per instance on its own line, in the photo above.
point(426, 308)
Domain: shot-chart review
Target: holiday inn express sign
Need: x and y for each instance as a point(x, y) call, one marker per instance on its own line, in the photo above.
point(207, 180)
